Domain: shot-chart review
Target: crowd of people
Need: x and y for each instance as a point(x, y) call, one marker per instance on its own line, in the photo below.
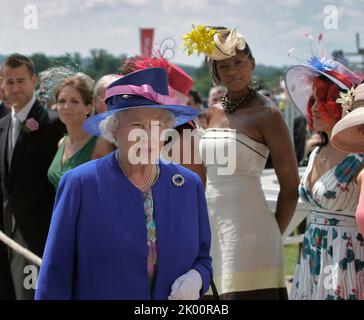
point(115, 215)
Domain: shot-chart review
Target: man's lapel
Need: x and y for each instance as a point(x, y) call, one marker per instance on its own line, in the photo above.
point(37, 112)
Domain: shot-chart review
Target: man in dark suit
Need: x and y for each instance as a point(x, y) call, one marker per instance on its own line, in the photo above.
point(4, 101)
point(3, 110)
point(29, 135)
point(6, 285)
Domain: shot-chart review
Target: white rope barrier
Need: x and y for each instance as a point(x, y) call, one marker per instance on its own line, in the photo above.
point(21, 250)
point(294, 239)
point(38, 261)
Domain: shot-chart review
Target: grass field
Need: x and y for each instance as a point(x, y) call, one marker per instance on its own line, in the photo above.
point(290, 259)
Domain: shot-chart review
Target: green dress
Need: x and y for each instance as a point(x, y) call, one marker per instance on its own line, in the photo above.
point(57, 170)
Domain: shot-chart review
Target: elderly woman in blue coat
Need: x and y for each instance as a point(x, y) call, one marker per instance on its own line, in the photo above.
point(130, 225)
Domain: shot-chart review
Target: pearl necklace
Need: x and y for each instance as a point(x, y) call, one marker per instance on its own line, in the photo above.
point(150, 181)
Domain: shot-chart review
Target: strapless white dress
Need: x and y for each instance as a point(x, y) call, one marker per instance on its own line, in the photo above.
point(247, 248)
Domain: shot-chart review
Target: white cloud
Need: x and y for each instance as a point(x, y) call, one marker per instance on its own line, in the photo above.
point(118, 31)
point(232, 2)
point(352, 3)
point(280, 3)
point(50, 9)
point(291, 3)
point(175, 6)
point(113, 3)
point(285, 24)
point(95, 3)
point(137, 3)
point(349, 13)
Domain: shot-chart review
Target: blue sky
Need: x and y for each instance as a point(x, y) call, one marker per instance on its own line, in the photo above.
point(271, 27)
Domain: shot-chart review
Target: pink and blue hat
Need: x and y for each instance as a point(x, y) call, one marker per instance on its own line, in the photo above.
point(146, 88)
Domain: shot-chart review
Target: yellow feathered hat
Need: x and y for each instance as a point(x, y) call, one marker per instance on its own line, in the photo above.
point(217, 44)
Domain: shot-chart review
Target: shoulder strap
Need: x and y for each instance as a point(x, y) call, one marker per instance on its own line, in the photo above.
point(214, 290)
point(358, 156)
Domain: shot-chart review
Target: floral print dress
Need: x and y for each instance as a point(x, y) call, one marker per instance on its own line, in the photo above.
point(331, 264)
point(151, 237)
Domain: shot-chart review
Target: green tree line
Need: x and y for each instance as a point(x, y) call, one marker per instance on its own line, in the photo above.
point(101, 62)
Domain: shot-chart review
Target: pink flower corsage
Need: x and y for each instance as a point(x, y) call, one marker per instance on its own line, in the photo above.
point(30, 125)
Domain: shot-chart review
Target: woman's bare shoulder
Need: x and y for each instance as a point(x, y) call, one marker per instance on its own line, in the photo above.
point(269, 110)
point(215, 108)
point(215, 111)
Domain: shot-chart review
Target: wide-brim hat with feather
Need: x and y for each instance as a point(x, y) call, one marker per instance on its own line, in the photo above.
point(345, 134)
point(146, 88)
point(215, 43)
point(298, 79)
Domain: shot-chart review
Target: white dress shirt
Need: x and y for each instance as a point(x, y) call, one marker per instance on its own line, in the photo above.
point(16, 119)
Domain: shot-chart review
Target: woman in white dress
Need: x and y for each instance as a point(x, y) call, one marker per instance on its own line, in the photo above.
point(247, 248)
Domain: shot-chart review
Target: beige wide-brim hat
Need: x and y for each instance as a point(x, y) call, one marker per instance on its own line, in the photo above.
point(345, 134)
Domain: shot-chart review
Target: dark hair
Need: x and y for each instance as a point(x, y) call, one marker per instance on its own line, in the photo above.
point(196, 97)
point(324, 138)
point(16, 60)
point(80, 84)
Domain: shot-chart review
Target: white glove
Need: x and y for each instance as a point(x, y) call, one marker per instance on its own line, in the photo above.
point(187, 286)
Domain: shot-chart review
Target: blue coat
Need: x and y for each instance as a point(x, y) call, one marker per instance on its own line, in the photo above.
point(97, 242)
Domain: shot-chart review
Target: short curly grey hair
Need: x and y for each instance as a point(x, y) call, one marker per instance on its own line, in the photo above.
point(107, 126)
point(111, 123)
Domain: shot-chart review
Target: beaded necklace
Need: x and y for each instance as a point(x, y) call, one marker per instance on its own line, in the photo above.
point(231, 106)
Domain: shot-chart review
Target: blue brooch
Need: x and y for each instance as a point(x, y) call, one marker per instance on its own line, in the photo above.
point(178, 180)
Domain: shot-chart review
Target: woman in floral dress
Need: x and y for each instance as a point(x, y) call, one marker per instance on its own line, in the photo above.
point(331, 264)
